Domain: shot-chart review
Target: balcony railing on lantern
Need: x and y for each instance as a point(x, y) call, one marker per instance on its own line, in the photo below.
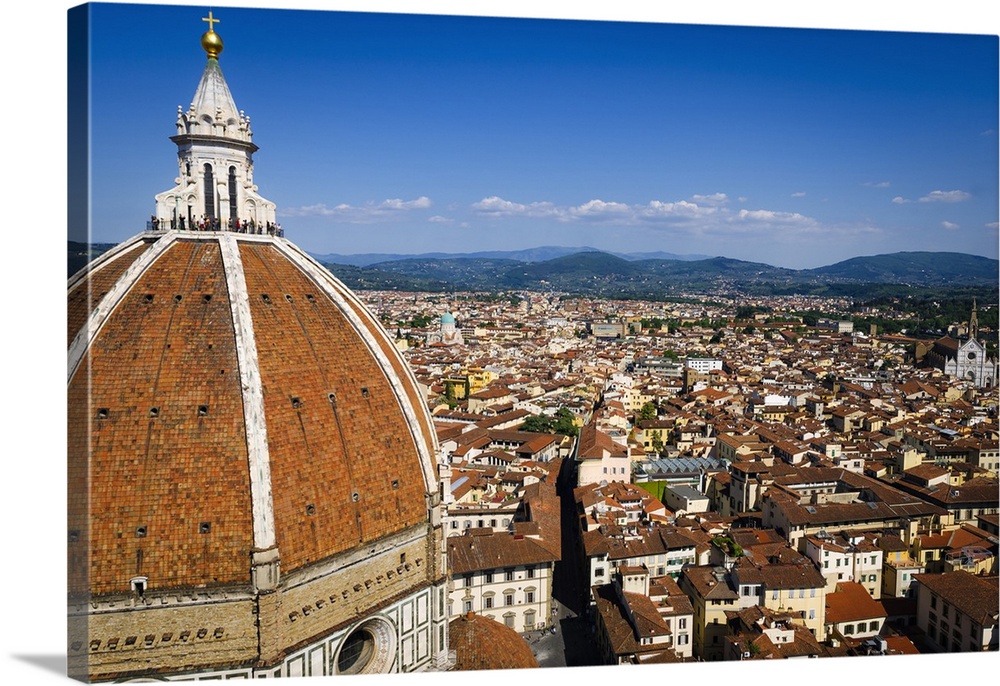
point(245, 226)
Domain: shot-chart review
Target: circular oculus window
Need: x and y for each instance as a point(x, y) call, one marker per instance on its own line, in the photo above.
point(368, 649)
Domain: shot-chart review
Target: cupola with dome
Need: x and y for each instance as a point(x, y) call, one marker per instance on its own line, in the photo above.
point(253, 482)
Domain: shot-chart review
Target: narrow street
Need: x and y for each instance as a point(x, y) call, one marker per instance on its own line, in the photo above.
point(572, 644)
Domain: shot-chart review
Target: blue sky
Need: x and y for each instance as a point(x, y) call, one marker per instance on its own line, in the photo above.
point(402, 133)
point(405, 133)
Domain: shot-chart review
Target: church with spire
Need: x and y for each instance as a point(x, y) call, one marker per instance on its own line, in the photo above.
point(965, 357)
point(253, 483)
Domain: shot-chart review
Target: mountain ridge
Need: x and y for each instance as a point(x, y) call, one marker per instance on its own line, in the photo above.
point(602, 273)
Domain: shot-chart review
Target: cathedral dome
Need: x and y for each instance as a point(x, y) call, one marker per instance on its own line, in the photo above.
point(483, 643)
point(234, 396)
point(252, 476)
point(447, 318)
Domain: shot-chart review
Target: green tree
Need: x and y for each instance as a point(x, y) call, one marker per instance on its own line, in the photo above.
point(565, 423)
point(538, 423)
point(647, 411)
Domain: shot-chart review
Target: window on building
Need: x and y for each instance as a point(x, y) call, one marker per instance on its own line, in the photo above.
point(488, 602)
point(529, 620)
point(775, 594)
point(682, 640)
point(934, 601)
point(508, 574)
point(682, 623)
point(508, 620)
point(467, 606)
point(530, 572)
point(848, 629)
point(508, 598)
point(529, 596)
point(812, 614)
point(468, 580)
point(489, 577)
point(812, 592)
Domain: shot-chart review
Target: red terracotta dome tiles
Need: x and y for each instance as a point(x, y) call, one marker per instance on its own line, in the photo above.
point(93, 285)
point(332, 455)
point(168, 459)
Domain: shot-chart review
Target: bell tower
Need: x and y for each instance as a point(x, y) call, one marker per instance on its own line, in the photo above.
point(974, 322)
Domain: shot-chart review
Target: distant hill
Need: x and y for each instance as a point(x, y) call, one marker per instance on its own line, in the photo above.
point(597, 273)
point(539, 254)
point(920, 268)
point(80, 254)
point(605, 274)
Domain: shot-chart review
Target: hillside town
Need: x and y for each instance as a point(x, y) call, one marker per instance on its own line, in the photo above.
point(732, 489)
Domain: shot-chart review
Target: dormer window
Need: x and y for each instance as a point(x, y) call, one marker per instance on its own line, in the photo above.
point(139, 585)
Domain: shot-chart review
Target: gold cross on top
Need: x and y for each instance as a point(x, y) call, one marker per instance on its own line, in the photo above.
point(211, 21)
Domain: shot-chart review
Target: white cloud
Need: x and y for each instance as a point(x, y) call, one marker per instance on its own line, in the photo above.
point(899, 200)
point(988, 132)
point(713, 199)
point(366, 214)
point(438, 219)
point(949, 226)
point(877, 184)
point(993, 225)
point(495, 206)
point(599, 208)
point(946, 196)
point(420, 203)
point(656, 209)
point(772, 217)
point(799, 194)
point(682, 217)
